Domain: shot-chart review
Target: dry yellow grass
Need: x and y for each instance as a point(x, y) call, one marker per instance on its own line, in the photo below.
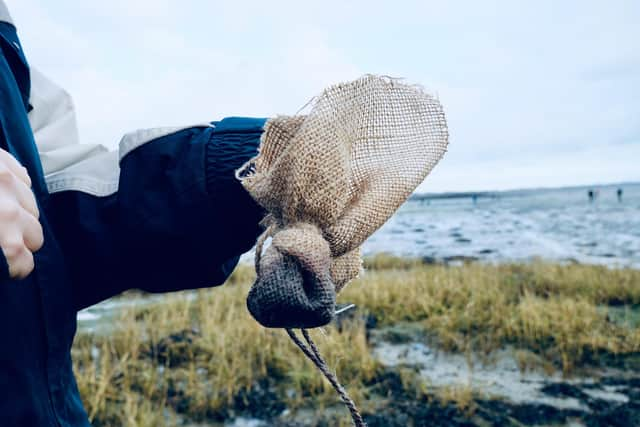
point(201, 355)
point(553, 310)
point(197, 353)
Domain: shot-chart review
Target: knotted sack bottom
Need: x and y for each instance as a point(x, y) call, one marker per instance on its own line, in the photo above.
point(294, 287)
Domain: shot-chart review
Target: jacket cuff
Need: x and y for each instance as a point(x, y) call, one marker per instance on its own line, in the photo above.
point(233, 142)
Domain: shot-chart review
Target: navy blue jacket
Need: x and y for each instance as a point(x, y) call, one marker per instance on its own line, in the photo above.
point(179, 219)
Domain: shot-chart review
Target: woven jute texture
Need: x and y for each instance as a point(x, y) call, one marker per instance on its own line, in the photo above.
point(328, 180)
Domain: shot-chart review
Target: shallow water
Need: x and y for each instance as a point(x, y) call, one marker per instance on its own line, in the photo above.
point(556, 224)
point(500, 378)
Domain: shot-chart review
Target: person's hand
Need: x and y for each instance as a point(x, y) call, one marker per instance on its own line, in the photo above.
point(20, 230)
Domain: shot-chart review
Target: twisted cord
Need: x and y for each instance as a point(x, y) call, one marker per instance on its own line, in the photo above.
point(311, 351)
point(313, 354)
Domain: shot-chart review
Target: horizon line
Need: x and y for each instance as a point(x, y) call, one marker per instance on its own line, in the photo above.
point(519, 189)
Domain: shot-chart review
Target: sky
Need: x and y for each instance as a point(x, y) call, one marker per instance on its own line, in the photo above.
point(537, 93)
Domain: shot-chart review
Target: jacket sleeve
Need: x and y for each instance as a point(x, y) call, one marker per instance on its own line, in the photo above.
point(164, 213)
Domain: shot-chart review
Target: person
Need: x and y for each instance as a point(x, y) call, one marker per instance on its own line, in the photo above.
point(79, 224)
point(619, 194)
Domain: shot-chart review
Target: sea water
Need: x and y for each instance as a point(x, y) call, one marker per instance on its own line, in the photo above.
point(562, 224)
point(553, 224)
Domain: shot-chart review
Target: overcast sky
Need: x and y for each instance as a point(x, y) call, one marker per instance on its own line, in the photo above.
point(537, 93)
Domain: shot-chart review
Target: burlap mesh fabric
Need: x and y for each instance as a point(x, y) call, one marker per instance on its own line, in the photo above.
point(328, 180)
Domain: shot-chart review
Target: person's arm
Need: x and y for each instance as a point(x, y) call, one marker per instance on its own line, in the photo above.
point(163, 214)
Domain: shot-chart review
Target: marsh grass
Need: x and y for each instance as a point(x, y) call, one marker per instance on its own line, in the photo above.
point(560, 312)
point(200, 356)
